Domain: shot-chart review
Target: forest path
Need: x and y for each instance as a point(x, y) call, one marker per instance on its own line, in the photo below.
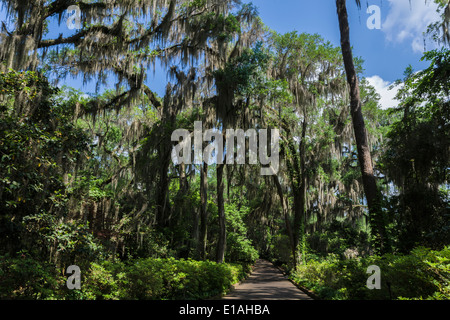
point(266, 283)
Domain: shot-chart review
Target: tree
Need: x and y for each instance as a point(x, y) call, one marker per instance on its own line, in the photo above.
point(440, 30)
point(121, 39)
point(313, 72)
point(232, 100)
point(418, 152)
point(41, 146)
point(365, 160)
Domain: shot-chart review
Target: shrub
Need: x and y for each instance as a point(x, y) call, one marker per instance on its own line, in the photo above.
point(338, 237)
point(142, 279)
point(160, 279)
point(422, 274)
point(280, 248)
point(23, 277)
point(239, 247)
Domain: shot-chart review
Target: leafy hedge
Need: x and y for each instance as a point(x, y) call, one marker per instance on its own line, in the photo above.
point(422, 274)
point(22, 277)
point(143, 279)
point(160, 279)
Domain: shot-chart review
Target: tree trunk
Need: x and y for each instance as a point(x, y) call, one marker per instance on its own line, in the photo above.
point(204, 211)
point(195, 240)
point(221, 244)
point(298, 181)
point(221, 211)
point(364, 156)
point(299, 227)
point(284, 206)
point(162, 193)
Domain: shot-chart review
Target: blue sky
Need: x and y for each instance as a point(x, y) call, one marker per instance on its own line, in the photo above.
point(386, 51)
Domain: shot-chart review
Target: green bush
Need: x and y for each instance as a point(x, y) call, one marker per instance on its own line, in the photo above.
point(422, 274)
point(239, 247)
point(160, 279)
point(280, 248)
point(23, 277)
point(336, 237)
point(144, 279)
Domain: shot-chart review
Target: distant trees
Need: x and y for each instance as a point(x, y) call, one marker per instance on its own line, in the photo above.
point(312, 71)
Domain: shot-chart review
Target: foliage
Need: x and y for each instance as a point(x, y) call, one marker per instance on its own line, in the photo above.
point(280, 250)
point(422, 274)
point(142, 279)
point(418, 152)
point(156, 279)
point(24, 277)
point(336, 238)
point(39, 147)
point(240, 248)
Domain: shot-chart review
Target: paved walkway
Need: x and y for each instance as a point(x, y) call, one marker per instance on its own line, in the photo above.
point(266, 283)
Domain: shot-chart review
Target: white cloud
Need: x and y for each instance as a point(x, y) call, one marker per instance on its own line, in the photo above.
point(387, 97)
point(408, 19)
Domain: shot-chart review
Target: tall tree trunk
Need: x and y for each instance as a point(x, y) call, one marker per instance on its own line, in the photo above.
point(300, 199)
point(162, 194)
point(221, 211)
point(204, 211)
point(195, 240)
point(221, 245)
point(365, 160)
point(183, 179)
point(180, 200)
point(299, 227)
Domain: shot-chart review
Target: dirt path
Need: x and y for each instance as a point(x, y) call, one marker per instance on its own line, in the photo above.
point(266, 283)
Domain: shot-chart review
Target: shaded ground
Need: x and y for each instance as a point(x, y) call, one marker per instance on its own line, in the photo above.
point(266, 283)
